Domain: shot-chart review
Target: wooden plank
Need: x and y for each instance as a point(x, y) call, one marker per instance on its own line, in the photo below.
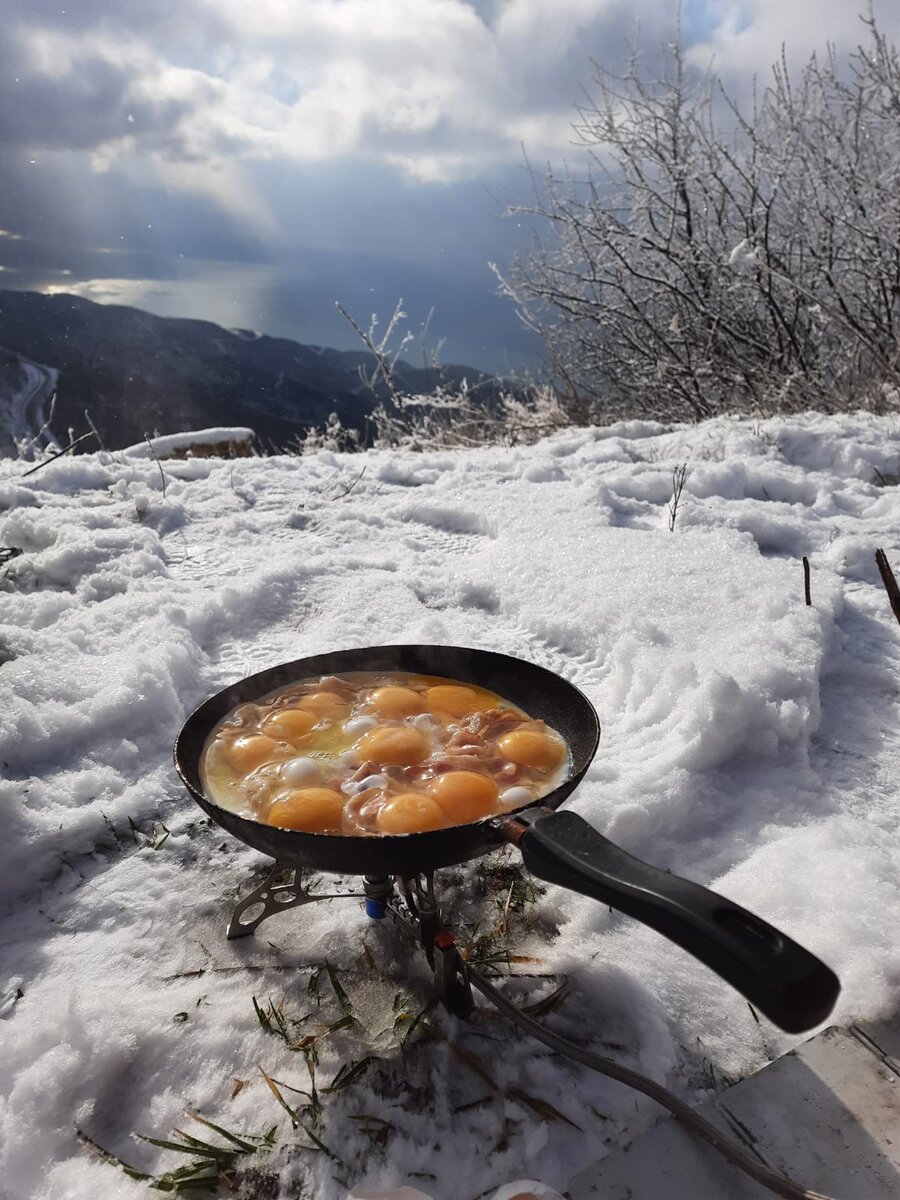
point(827, 1115)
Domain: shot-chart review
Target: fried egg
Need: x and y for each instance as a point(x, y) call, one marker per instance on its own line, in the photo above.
point(453, 700)
point(325, 706)
point(288, 723)
point(245, 754)
point(464, 795)
point(310, 810)
point(395, 702)
point(411, 812)
point(394, 746)
point(529, 748)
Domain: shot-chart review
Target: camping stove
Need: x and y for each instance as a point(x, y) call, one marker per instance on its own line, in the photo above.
point(408, 901)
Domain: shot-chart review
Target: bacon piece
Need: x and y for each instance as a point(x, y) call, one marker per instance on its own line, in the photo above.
point(367, 768)
point(464, 739)
point(458, 762)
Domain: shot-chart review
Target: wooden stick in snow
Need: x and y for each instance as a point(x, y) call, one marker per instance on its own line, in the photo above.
point(806, 590)
point(890, 583)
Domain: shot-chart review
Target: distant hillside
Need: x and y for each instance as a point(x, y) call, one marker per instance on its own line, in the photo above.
point(137, 373)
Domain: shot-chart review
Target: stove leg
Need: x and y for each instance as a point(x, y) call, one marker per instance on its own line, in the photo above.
point(451, 979)
point(280, 891)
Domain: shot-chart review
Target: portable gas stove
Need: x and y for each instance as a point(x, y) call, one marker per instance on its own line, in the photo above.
point(408, 901)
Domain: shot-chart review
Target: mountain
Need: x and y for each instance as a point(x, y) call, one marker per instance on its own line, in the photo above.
point(136, 373)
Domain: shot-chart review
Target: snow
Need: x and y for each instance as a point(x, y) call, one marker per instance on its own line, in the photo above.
point(749, 742)
point(170, 443)
point(744, 256)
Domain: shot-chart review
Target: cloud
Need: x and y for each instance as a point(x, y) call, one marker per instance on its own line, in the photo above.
point(745, 39)
point(442, 88)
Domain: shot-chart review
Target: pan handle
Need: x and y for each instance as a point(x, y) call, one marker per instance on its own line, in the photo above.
point(787, 983)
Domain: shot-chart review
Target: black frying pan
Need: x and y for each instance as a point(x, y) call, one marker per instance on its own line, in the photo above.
point(787, 983)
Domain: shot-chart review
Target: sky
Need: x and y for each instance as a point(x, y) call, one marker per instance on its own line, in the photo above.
point(254, 163)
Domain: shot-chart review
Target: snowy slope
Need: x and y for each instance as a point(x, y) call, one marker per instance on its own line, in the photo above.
point(749, 742)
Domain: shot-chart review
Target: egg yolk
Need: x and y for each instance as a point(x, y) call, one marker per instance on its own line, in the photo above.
point(528, 748)
point(245, 754)
point(324, 706)
point(464, 795)
point(288, 723)
point(411, 812)
point(397, 702)
point(453, 701)
point(311, 810)
point(394, 746)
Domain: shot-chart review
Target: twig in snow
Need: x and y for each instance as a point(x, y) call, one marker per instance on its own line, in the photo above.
point(890, 583)
point(46, 425)
point(94, 430)
point(348, 490)
point(158, 463)
point(806, 590)
point(679, 476)
point(59, 454)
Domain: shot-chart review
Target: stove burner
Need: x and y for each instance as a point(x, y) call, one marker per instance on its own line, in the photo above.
point(409, 902)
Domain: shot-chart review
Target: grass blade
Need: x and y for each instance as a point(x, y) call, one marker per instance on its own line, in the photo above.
point(543, 1108)
point(276, 1092)
point(342, 998)
point(350, 1072)
point(474, 1064)
point(262, 1017)
point(540, 1008)
point(105, 1156)
point(245, 1147)
point(343, 1023)
point(193, 1146)
point(414, 1023)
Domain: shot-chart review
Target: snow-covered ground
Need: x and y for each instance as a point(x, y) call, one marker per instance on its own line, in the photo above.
point(749, 742)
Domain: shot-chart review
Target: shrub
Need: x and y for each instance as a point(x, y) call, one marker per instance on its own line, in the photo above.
point(725, 258)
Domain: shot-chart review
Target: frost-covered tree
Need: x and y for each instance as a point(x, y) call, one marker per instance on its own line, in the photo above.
point(720, 256)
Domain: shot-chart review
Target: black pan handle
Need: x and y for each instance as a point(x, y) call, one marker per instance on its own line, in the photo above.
point(790, 985)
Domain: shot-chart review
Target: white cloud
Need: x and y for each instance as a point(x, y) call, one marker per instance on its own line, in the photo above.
point(442, 89)
point(428, 84)
point(747, 38)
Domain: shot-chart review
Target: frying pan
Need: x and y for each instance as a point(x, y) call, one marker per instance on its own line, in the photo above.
point(787, 983)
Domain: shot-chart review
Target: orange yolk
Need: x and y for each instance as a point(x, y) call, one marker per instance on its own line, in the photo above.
point(453, 701)
point(528, 748)
point(324, 706)
point(394, 746)
point(411, 812)
point(289, 723)
point(311, 810)
point(245, 754)
point(464, 795)
point(397, 702)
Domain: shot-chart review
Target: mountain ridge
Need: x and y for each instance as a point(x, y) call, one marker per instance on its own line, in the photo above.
point(136, 373)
